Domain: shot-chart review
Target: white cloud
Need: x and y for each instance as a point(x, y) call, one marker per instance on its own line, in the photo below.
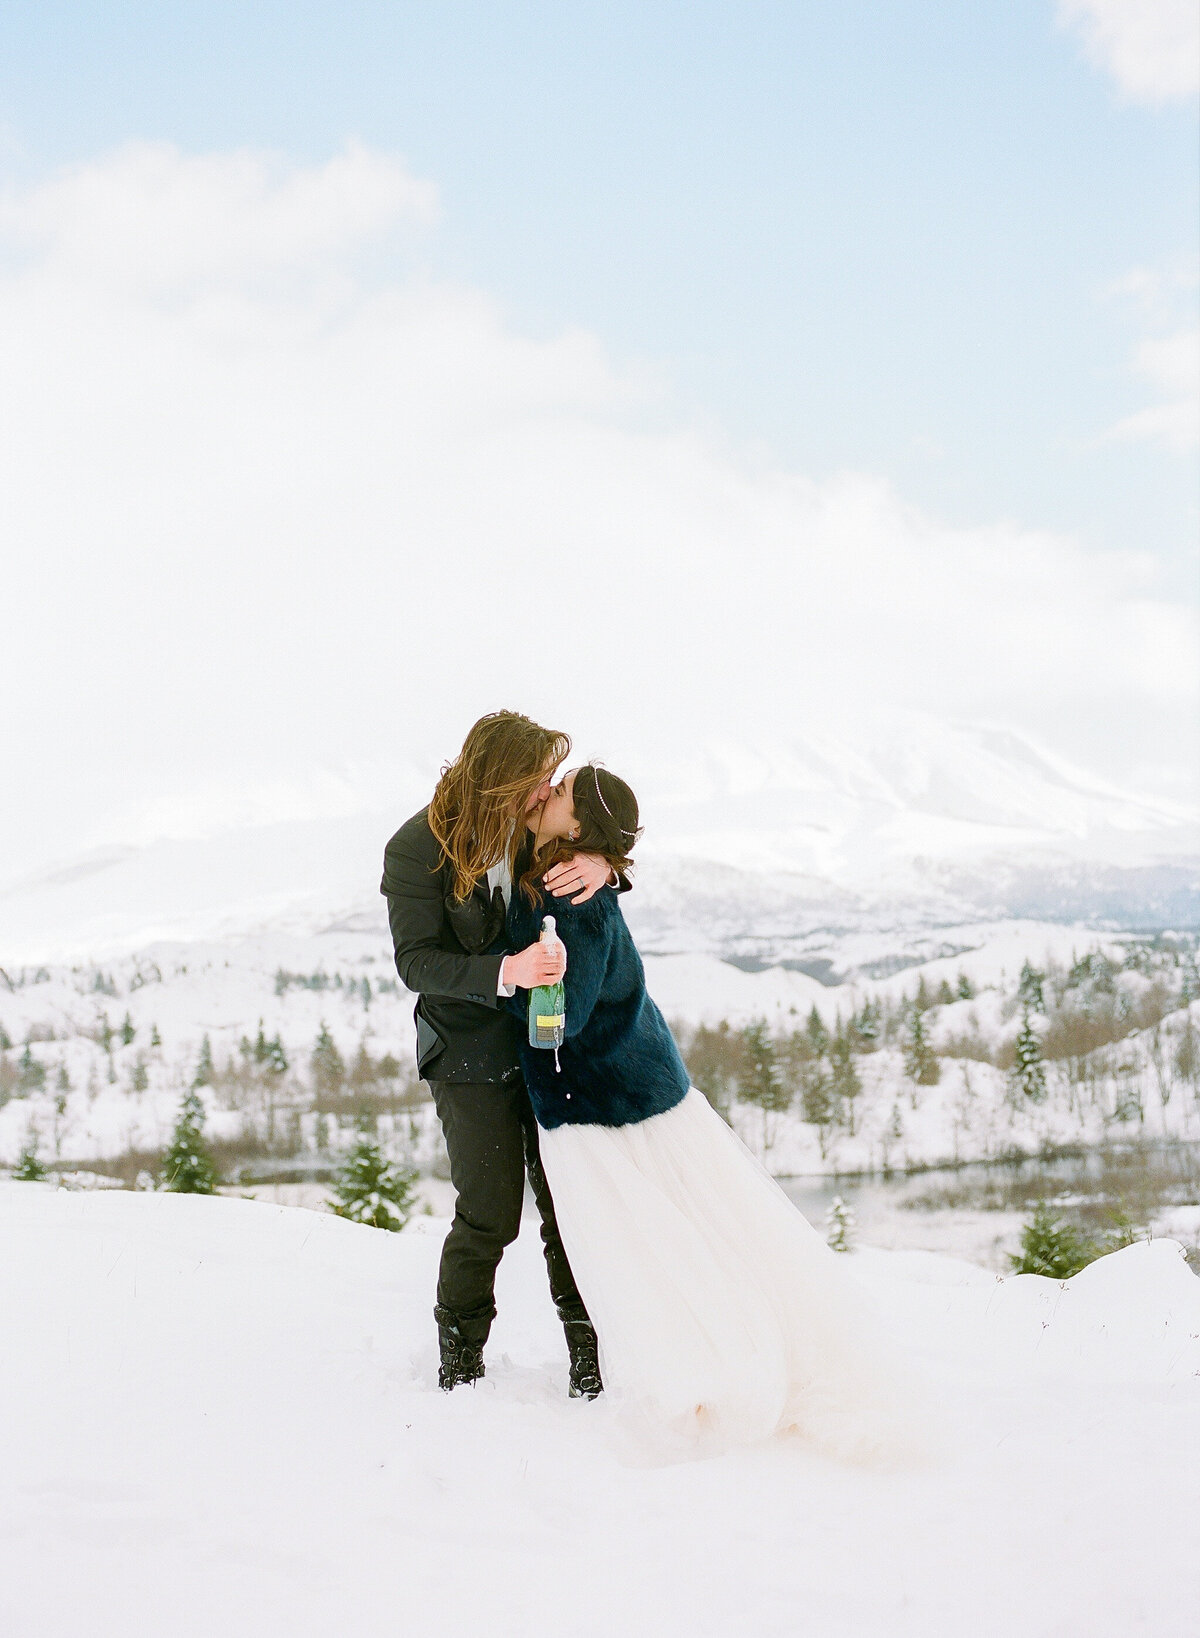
point(148, 217)
point(1168, 360)
point(272, 523)
point(1172, 365)
point(1150, 47)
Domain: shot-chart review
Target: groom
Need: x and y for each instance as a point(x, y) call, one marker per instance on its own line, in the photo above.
point(447, 879)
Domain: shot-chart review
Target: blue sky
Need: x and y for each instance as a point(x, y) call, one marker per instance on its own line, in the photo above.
point(881, 236)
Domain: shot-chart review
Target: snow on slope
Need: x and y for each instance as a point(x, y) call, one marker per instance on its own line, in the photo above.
point(219, 1417)
point(178, 993)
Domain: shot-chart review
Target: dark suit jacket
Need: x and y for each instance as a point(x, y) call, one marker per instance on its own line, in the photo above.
point(450, 954)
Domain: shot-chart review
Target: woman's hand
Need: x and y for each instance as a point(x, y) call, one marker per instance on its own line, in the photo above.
point(579, 877)
point(542, 963)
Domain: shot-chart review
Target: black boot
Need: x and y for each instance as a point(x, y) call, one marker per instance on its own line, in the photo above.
point(462, 1358)
point(585, 1359)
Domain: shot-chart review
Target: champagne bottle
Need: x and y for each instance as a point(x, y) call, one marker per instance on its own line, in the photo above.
point(548, 1003)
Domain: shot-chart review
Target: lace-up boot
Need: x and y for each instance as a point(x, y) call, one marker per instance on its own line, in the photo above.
point(585, 1359)
point(462, 1358)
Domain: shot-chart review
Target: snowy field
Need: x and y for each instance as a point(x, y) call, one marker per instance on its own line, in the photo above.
point(220, 1418)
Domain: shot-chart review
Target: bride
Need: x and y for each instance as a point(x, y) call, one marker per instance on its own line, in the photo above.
point(722, 1315)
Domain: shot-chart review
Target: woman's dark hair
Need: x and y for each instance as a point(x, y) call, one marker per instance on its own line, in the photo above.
point(606, 812)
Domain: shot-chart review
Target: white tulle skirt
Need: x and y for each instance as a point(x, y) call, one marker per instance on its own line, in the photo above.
point(722, 1315)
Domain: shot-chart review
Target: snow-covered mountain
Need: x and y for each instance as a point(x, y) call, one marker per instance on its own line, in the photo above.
point(756, 853)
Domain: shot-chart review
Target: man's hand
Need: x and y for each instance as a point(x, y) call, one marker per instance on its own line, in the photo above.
point(542, 963)
point(578, 877)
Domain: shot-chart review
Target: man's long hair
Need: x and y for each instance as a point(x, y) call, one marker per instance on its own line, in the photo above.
point(477, 812)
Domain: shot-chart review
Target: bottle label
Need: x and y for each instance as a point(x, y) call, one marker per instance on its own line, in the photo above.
point(550, 1020)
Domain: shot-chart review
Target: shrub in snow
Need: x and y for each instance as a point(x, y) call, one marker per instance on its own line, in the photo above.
point(187, 1165)
point(839, 1224)
point(372, 1190)
point(29, 1168)
point(1053, 1247)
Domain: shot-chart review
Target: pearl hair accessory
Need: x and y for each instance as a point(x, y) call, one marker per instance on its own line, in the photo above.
point(604, 804)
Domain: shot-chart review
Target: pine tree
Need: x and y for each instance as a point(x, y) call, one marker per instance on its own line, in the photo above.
point(945, 994)
point(363, 1072)
point(840, 1224)
point(818, 1035)
point(966, 990)
point(31, 1073)
point(1028, 1074)
point(155, 1037)
point(846, 1084)
point(1188, 991)
point(277, 1059)
point(187, 1165)
point(920, 1060)
point(1052, 1247)
point(714, 1058)
point(261, 1049)
point(29, 1168)
point(204, 1067)
point(372, 1190)
point(140, 1079)
point(6, 1039)
point(326, 1063)
point(759, 1080)
point(816, 1093)
point(63, 1082)
point(127, 1031)
point(1030, 989)
point(865, 1025)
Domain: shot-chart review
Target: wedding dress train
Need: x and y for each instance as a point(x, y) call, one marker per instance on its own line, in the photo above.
point(723, 1317)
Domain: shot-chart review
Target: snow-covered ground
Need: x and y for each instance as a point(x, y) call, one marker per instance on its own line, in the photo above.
point(219, 1417)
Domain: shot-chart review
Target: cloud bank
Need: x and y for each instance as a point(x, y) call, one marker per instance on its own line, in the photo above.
point(276, 500)
point(1151, 48)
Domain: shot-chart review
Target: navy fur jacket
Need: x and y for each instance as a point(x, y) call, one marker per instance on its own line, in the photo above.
point(619, 1062)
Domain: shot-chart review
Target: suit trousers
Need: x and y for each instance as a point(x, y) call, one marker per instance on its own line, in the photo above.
point(492, 1141)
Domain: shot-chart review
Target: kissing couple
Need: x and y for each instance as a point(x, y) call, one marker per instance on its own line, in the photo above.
point(689, 1286)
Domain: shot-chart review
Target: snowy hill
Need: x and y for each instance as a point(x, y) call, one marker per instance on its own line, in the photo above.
point(221, 1418)
point(93, 1059)
point(763, 853)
